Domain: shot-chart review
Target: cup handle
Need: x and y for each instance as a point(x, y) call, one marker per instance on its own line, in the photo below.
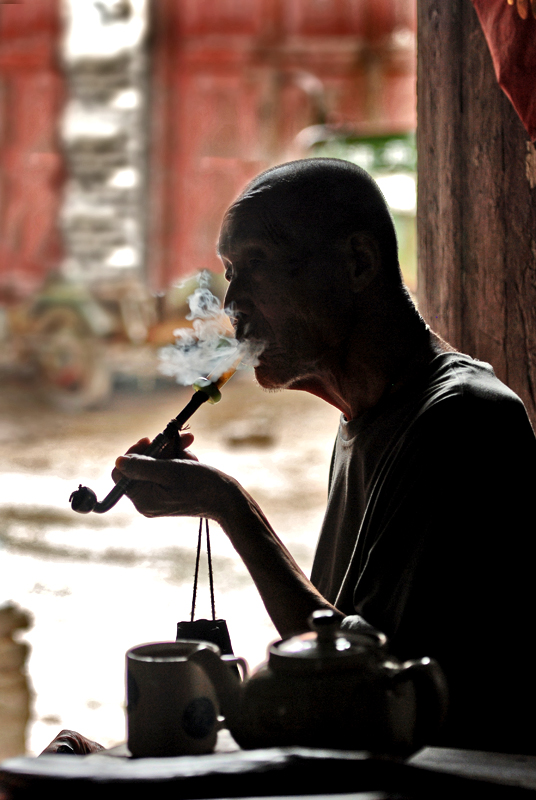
point(239, 662)
point(432, 695)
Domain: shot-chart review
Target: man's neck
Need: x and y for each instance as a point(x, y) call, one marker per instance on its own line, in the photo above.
point(374, 363)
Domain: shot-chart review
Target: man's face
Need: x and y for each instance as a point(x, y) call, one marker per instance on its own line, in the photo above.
point(289, 301)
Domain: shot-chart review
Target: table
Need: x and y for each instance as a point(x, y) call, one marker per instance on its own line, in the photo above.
point(273, 772)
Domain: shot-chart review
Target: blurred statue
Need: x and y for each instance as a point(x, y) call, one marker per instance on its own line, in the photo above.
point(15, 694)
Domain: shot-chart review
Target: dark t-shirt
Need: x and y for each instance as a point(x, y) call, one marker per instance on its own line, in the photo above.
point(429, 536)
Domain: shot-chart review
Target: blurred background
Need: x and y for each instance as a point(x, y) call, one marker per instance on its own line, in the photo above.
point(126, 129)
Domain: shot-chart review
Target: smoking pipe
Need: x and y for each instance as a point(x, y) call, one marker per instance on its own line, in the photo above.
point(84, 500)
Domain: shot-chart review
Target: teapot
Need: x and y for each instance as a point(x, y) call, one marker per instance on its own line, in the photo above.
point(330, 688)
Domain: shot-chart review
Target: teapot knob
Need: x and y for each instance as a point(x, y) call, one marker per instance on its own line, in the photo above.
point(326, 623)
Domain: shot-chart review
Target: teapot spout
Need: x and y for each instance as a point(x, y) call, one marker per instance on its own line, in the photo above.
point(225, 681)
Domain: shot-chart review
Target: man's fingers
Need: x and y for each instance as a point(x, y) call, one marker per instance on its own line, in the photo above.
point(173, 449)
point(143, 468)
point(181, 442)
point(72, 743)
point(176, 448)
point(140, 447)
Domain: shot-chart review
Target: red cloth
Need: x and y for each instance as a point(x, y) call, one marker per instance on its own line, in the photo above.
point(512, 43)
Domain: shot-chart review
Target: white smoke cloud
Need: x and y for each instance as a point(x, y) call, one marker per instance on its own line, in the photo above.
point(208, 347)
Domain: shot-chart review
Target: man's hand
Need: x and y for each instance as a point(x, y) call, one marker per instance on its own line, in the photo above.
point(72, 743)
point(171, 485)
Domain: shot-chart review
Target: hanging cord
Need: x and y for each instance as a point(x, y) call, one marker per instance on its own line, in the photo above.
point(210, 572)
point(196, 574)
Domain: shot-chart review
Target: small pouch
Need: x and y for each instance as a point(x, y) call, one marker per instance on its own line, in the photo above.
point(207, 630)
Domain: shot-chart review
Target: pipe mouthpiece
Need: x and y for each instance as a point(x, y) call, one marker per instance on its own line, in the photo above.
point(207, 387)
point(83, 500)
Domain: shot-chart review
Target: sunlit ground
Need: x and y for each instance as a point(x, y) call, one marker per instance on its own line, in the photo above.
point(97, 585)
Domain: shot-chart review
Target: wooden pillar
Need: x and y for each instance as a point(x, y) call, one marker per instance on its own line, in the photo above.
point(476, 210)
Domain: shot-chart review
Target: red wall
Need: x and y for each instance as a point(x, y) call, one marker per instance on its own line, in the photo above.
point(234, 82)
point(31, 97)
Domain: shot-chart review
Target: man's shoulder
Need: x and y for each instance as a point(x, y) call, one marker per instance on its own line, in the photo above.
point(457, 377)
point(465, 402)
point(453, 401)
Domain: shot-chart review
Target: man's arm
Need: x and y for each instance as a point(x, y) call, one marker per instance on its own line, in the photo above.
point(184, 487)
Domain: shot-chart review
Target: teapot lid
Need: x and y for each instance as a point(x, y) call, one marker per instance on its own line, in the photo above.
point(325, 646)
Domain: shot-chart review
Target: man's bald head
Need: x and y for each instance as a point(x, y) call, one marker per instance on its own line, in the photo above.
point(316, 204)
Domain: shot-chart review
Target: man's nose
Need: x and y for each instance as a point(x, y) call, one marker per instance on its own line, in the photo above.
point(235, 300)
point(237, 307)
point(229, 304)
point(228, 299)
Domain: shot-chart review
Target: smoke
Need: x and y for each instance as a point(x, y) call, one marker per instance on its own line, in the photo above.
point(209, 346)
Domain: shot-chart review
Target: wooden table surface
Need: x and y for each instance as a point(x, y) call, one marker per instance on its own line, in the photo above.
point(273, 772)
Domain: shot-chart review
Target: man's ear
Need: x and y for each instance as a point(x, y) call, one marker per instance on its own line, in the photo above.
point(364, 259)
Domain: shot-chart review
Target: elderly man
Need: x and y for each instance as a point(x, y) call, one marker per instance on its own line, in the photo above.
point(429, 529)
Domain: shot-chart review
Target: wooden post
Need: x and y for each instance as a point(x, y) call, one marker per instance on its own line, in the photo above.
point(476, 210)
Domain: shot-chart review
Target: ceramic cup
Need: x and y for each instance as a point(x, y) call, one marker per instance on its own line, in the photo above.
point(172, 707)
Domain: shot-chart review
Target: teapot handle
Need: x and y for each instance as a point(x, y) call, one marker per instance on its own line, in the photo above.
point(432, 696)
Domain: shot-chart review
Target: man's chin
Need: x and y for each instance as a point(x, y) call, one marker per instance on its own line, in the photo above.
point(265, 379)
point(272, 379)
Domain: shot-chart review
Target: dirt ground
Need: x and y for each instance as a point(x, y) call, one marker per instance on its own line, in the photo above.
point(97, 585)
